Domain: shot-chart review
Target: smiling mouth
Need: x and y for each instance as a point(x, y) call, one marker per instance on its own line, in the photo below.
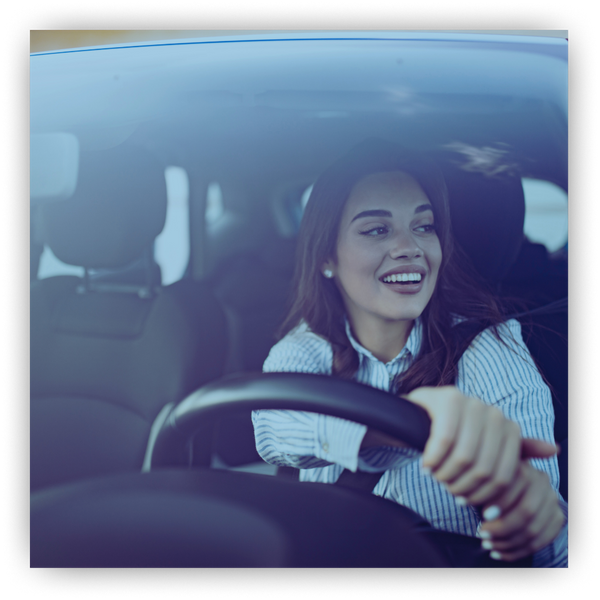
point(403, 278)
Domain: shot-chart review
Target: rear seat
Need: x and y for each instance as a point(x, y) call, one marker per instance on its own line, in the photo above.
point(251, 268)
point(109, 352)
point(254, 290)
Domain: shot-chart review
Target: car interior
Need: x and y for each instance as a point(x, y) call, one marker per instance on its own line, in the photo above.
point(114, 349)
point(111, 349)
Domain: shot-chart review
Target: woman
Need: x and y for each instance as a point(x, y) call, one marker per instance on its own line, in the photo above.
point(380, 295)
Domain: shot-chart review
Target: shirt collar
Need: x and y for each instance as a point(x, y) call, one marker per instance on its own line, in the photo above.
point(411, 348)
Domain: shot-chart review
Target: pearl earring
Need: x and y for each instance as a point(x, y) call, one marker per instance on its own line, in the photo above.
point(328, 273)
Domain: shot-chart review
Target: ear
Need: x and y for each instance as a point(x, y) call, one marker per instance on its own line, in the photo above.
point(328, 269)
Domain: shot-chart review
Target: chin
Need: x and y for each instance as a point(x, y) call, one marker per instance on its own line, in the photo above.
point(405, 315)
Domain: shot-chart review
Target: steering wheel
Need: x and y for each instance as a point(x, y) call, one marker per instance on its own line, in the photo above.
point(174, 516)
point(286, 391)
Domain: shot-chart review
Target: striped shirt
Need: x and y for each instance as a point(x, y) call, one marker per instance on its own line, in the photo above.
point(321, 446)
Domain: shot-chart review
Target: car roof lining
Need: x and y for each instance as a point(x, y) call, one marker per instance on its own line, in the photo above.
point(306, 146)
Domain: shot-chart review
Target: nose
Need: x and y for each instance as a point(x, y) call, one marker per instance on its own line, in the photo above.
point(405, 246)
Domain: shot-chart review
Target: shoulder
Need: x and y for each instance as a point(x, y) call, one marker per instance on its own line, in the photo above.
point(300, 351)
point(500, 361)
point(506, 340)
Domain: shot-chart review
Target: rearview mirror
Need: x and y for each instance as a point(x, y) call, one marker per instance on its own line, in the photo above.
point(54, 164)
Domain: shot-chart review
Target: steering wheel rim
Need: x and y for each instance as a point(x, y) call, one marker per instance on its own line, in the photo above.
point(286, 391)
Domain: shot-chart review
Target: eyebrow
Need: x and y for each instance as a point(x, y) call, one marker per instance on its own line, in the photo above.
point(386, 213)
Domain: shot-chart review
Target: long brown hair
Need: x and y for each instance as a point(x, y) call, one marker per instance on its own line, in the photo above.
point(458, 292)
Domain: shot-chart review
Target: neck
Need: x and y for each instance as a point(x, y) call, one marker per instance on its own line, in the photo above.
point(384, 340)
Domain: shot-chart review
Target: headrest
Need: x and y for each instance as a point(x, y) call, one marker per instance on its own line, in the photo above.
point(487, 214)
point(117, 210)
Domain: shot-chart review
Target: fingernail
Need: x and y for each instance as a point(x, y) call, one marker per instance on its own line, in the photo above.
point(485, 535)
point(426, 470)
point(461, 501)
point(495, 555)
point(491, 513)
point(487, 545)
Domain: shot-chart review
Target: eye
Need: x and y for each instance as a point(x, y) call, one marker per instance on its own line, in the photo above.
point(427, 228)
point(375, 231)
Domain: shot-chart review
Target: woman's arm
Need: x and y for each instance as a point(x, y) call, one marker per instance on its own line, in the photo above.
point(482, 461)
point(476, 449)
point(306, 440)
point(472, 448)
point(299, 439)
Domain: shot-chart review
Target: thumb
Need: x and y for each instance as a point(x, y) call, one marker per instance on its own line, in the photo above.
point(531, 448)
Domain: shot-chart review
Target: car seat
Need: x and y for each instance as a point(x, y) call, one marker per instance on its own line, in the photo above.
point(253, 288)
point(111, 349)
point(487, 216)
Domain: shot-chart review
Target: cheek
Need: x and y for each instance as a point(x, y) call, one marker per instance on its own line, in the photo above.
point(355, 273)
point(435, 255)
point(353, 258)
point(439, 261)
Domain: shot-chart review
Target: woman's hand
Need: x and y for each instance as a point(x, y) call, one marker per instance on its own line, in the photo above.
point(472, 448)
point(523, 520)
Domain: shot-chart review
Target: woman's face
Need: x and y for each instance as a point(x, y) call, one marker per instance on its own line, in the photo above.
point(388, 252)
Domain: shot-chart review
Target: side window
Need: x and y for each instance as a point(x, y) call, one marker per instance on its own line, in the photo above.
point(305, 197)
point(49, 265)
point(172, 246)
point(214, 204)
point(546, 213)
point(289, 209)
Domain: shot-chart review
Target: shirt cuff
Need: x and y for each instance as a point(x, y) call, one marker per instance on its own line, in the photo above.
point(338, 441)
point(379, 459)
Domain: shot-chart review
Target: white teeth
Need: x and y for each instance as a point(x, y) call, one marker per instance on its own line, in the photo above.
point(402, 277)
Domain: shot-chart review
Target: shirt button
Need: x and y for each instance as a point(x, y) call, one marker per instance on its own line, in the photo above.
point(325, 446)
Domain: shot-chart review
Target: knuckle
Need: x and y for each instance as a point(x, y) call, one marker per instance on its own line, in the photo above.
point(504, 478)
point(480, 475)
point(500, 487)
point(503, 481)
point(528, 511)
point(443, 441)
point(464, 461)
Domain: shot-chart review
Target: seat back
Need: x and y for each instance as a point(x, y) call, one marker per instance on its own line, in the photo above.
point(253, 289)
point(487, 217)
point(108, 353)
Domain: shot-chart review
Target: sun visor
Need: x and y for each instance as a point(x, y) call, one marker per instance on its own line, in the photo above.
point(54, 165)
